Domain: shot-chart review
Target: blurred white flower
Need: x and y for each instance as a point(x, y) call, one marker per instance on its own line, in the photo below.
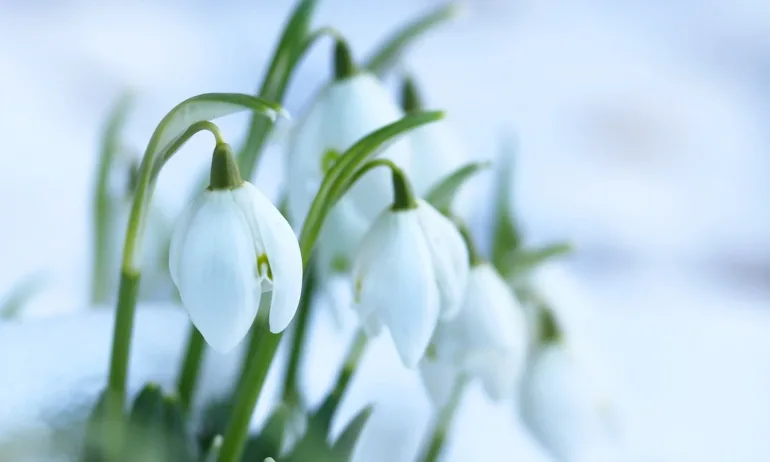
point(344, 112)
point(411, 267)
point(563, 401)
point(487, 340)
point(229, 247)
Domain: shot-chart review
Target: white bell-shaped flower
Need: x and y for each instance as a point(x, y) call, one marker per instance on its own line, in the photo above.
point(230, 246)
point(410, 269)
point(487, 340)
point(564, 403)
point(352, 106)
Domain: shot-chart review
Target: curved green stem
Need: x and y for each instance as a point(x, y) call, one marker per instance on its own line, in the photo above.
point(444, 423)
point(129, 279)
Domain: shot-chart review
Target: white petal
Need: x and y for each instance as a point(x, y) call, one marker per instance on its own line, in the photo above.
point(449, 256)
point(395, 279)
point(215, 273)
point(438, 378)
point(283, 254)
point(343, 230)
point(179, 235)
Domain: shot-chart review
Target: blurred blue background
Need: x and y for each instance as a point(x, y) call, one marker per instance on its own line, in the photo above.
point(641, 132)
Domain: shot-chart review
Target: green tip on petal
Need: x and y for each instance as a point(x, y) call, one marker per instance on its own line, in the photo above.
point(410, 96)
point(343, 61)
point(224, 169)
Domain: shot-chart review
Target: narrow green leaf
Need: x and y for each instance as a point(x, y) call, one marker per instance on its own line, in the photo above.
point(443, 193)
point(290, 49)
point(97, 433)
point(336, 181)
point(522, 260)
point(179, 444)
point(20, 295)
point(207, 106)
point(102, 204)
point(346, 443)
point(383, 59)
point(505, 233)
point(146, 426)
point(269, 441)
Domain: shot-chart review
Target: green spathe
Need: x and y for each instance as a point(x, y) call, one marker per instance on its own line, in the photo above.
point(224, 169)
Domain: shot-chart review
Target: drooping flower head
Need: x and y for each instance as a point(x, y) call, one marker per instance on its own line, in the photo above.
point(230, 246)
point(411, 268)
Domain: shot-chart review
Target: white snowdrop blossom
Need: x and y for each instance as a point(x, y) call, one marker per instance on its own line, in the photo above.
point(411, 268)
point(344, 112)
point(229, 247)
point(487, 340)
point(565, 407)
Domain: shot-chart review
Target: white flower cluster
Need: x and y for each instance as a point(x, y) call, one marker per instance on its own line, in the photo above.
point(414, 273)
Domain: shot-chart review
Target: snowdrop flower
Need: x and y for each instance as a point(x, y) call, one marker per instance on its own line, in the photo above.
point(487, 340)
point(352, 106)
point(561, 402)
point(411, 267)
point(436, 151)
point(229, 247)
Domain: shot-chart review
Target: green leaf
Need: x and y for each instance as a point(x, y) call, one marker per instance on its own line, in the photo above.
point(102, 203)
point(386, 56)
point(505, 233)
point(269, 441)
point(290, 49)
point(97, 433)
point(207, 106)
point(336, 181)
point(522, 260)
point(20, 295)
point(213, 422)
point(346, 443)
point(146, 426)
point(178, 440)
point(443, 193)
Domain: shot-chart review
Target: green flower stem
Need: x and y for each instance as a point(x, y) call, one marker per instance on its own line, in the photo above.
point(191, 365)
point(444, 423)
point(290, 392)
point(121, 345)
point(130, 275)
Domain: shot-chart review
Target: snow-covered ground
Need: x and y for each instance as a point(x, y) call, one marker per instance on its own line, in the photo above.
point(641, 131)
